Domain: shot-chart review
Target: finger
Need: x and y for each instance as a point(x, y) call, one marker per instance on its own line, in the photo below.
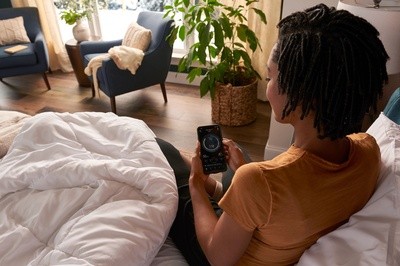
point(197, 149)
point(229, 143)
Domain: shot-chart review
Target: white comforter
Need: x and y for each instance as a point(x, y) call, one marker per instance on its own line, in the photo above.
point(84, 189)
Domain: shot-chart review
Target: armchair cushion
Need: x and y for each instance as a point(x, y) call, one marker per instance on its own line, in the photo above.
point(12, 31)
point(24, 57)
point(137, 37)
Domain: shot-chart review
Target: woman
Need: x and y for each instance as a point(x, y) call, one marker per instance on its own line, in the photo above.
point(325, 72)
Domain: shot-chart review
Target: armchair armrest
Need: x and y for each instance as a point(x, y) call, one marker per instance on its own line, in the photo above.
point(96, 47)
point(41, 49)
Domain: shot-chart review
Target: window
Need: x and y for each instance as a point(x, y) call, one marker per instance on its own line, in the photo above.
point(114, 17)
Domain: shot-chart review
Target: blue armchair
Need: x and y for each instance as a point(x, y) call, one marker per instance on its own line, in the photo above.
point(392, 109)
point(153, 69)
point(32, 60)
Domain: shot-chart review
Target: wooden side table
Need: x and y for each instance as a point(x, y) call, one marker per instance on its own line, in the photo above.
point(74, 55)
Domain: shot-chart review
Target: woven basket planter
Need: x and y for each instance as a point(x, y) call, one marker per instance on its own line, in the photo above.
point(234, 106)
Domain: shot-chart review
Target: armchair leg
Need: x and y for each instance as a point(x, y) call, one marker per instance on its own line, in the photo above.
point(113, 106)
point(46, 81)
point(93, 90)
point(164, 91)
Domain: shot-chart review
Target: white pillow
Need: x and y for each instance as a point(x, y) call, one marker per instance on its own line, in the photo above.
point(11, 122)
point(137, 37)
point(12, 31)
point(372, 236)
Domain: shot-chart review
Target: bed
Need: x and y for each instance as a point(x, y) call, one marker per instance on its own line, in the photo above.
point(83, 189)
point(95, 189)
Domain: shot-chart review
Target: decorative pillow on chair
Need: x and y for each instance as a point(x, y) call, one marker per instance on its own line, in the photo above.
point(12, 31)
point(137, 37)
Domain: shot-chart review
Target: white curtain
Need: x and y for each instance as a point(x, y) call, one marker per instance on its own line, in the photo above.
point(94, 23)
point(267, 35)
point(48, 18)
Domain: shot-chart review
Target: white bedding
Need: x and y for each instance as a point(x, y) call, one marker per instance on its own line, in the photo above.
point(84, 189)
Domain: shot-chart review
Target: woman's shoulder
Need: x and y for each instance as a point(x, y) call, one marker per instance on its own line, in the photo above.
point(364, 146)
point(363, 141)
point(259, 170)
point(362, 136)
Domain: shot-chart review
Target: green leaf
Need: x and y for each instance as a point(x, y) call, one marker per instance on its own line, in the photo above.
point(239, 45)
point(237, 54)
point(226, 55)
point(261, 15)
point(172, 36)
point(204, 86)
point(186, 2)
point(182, 33)
point(218, 35)
point(220, 71)
point(182, 64)
point(226, 26)
point(245, 56)
point(190, 56)
point(195, 72)
point(252, 39)
point(241, 32)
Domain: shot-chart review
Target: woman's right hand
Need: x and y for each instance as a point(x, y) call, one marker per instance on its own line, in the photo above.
point(234, 155)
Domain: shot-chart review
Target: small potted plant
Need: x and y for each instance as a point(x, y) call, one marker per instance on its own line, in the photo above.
point(74, 15)
point(221, 54)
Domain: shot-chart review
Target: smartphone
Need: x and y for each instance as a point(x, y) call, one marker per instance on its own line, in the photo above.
point(211, 149)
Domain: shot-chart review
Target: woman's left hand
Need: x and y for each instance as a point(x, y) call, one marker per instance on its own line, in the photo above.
point(196, 170)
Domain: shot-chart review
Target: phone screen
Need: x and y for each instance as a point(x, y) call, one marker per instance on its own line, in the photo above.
point(211, 149)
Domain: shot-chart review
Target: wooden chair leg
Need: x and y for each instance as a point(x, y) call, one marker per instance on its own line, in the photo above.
point(46, 81)
point(164, 91)
point(113, 106)
point(93, 90)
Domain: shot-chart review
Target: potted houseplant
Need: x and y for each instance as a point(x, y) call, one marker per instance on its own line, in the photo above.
point(221, 54)
point(75, 16)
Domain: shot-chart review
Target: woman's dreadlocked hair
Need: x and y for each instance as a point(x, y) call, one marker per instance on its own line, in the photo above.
point(333, 63)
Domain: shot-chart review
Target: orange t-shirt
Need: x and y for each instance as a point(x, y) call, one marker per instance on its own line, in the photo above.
point(295, 198)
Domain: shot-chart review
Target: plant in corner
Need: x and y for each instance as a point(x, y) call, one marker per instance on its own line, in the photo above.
point(221, 54)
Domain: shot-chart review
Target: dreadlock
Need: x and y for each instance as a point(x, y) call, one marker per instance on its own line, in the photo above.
point(333, 63)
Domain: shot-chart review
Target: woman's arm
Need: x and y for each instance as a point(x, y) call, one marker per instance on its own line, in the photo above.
point(223, 240)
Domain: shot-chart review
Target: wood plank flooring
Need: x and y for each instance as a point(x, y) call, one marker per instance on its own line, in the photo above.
point(175, 121)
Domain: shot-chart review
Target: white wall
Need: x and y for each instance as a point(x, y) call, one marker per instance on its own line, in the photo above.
point(290, 6)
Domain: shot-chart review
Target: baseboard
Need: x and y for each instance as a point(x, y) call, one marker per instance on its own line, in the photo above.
point(180, 78)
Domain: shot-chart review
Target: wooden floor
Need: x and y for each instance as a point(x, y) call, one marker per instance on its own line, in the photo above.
point(175, 121)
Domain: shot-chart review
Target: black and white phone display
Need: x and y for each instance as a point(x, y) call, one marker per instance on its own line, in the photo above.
point(211, 149)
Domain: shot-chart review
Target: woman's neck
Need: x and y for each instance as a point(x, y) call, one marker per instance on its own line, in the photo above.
point(306, 138)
